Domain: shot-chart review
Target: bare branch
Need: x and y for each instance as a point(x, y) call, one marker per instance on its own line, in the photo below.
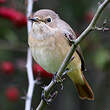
point(41, 106)
point(48, 88)
point(29, 62)
point(93, 22)
point(101, 29)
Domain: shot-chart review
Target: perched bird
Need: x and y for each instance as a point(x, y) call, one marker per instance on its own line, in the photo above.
point(50, 40)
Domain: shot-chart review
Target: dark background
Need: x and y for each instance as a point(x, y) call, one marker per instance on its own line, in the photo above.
point(96, 51)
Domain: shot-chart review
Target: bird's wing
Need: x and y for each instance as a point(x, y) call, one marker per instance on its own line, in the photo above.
point(70, 35)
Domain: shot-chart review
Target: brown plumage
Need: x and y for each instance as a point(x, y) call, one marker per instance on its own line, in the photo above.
point(50, 40)
point(85, 92)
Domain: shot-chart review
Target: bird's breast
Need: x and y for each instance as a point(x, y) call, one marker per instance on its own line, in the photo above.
point(50, 52)
point(42, 31)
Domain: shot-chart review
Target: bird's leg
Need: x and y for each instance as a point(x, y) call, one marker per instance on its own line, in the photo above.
point(66, 71)
point(58, 79)
point(50, 98)
point(47, 100)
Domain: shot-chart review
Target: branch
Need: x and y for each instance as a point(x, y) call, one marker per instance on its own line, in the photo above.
point(101, 29)
point(48, 88)
point(29, 62)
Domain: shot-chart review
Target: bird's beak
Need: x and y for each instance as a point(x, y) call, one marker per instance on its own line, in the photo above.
point(33, 19)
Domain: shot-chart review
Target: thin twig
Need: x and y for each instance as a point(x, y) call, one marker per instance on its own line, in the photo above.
point(104, 29)
point(41, 106)
point(29, 62)
point(31, 81)
point(48, 88)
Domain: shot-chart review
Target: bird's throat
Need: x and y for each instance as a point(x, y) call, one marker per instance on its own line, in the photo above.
point(41, 31)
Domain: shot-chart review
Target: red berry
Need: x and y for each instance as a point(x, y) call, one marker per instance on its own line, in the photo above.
point(12, 93)
point(18, 18)
point(89, 16)
point(39, 71)
point(7, 67)
point(2, 1)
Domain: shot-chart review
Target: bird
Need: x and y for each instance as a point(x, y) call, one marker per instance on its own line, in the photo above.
point(50, 39)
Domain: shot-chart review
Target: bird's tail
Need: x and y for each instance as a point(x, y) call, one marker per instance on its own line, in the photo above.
point(84, 90)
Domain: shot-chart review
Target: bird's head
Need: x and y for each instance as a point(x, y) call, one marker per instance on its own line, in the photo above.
point(45, 17)
point(44, 23)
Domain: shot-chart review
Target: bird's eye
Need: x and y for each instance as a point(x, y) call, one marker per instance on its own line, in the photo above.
point(49, 19)
point(36, 18)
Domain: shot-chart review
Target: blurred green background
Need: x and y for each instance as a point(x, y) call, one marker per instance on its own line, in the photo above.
point(96, 51)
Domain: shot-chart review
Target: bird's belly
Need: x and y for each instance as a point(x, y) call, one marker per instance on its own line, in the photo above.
point(50, 53)
point(49, 58)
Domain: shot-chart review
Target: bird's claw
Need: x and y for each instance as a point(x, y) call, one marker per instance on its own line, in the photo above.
point(50, 98)
point(48, 101)
point(59, 80)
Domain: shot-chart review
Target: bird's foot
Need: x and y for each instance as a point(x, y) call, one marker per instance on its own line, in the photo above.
point(52, 95)
point(50, 98)
point(66, 71)
point(58, 79)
